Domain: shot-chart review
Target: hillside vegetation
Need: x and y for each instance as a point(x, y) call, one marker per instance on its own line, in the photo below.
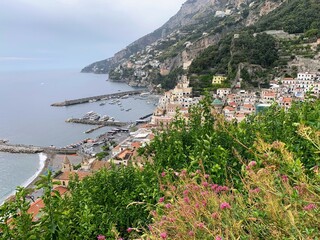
point(203, 179)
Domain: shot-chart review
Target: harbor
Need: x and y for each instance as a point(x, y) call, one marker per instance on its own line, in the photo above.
point(97, 98)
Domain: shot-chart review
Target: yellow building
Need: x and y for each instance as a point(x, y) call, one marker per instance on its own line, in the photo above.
point(218, 79)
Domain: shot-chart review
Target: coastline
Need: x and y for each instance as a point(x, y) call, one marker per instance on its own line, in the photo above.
point(30, 183)
point(71, 133)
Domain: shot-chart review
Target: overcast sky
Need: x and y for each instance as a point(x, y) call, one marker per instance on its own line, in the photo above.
point(40, 34)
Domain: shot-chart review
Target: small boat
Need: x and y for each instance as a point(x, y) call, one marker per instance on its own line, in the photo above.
point(128, 109)
point(144, 94)
point(101, 104)
point(125, 96)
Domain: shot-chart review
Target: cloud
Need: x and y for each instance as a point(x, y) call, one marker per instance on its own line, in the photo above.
point(81, 29)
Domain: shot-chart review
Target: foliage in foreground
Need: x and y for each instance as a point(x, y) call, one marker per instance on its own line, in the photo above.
point(117, 203)
point(277, 201)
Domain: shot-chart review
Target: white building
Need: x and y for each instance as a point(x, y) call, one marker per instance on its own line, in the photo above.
point(306, 76)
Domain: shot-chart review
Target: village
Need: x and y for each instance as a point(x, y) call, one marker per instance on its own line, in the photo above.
point(234, 104)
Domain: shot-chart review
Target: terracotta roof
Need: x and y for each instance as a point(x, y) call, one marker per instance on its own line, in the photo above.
point(36, 207)
point(228, 108)
point(270, 94)
point(232, 104)
point(136, 145)
point(96, 165)
point(151, 136)
point(125, 154)
point(248, 105)
point(66, 175)
point(287, 99)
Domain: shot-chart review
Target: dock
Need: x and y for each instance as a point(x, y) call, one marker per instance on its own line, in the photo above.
point(94, 122)
point(93, 129)
point(146, 116)
point(96, 98)
point(31, 149)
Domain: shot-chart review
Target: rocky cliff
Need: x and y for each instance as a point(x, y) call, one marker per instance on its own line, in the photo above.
point(198, 25)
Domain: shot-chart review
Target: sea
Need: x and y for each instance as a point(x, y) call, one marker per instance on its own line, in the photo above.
point(26, 116)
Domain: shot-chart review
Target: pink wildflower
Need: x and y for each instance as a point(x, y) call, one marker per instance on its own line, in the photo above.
point(204, 203)
point(218, 238)
point(153, 213)
point(205, 184)
point(214, 186)
point(198, 172)
point(221, 189)
point(163, 235)
point(204, 193)
point(183, 172)
point(309, 207)
point(196, 187)
point(225, 205)
point(168, 205)
point(185, 192)
point(101, 237)
point(214, 215)
point(200, 225)
point(256, 190)
point(187, 200)
point(163, 174)
point(197, 205)
point(284, 178)
point(300, 188)
point(161, 199)
point(191, 233)
point(129, 230)
point(150, 227)
point(251, 165)
point(206, 176)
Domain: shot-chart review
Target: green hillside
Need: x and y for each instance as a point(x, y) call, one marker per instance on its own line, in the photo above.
point(204, 151)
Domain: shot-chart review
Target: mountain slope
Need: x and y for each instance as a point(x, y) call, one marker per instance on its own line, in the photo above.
point(208, 37)
point(191, 12)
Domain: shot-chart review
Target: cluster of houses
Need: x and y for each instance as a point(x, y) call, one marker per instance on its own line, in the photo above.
point(178, 99)
point(236, 104)
point(233, 104)
point(122, 154)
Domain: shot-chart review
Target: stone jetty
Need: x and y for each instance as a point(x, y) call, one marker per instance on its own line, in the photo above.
point(93, 122)
point(31, 149)
point(96, 98)
point(20, 148)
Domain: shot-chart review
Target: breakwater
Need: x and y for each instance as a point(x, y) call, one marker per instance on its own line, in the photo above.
point(31, 149)
point(94, 122)
point(96, 98)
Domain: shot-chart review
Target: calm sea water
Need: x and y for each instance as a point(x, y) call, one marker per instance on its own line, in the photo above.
point(26, 115)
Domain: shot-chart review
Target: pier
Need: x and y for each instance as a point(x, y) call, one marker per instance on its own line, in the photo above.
point(94, 122)
point(31, 149)
point(96, 98)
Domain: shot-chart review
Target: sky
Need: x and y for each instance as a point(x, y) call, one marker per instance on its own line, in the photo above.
point(70, 34)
